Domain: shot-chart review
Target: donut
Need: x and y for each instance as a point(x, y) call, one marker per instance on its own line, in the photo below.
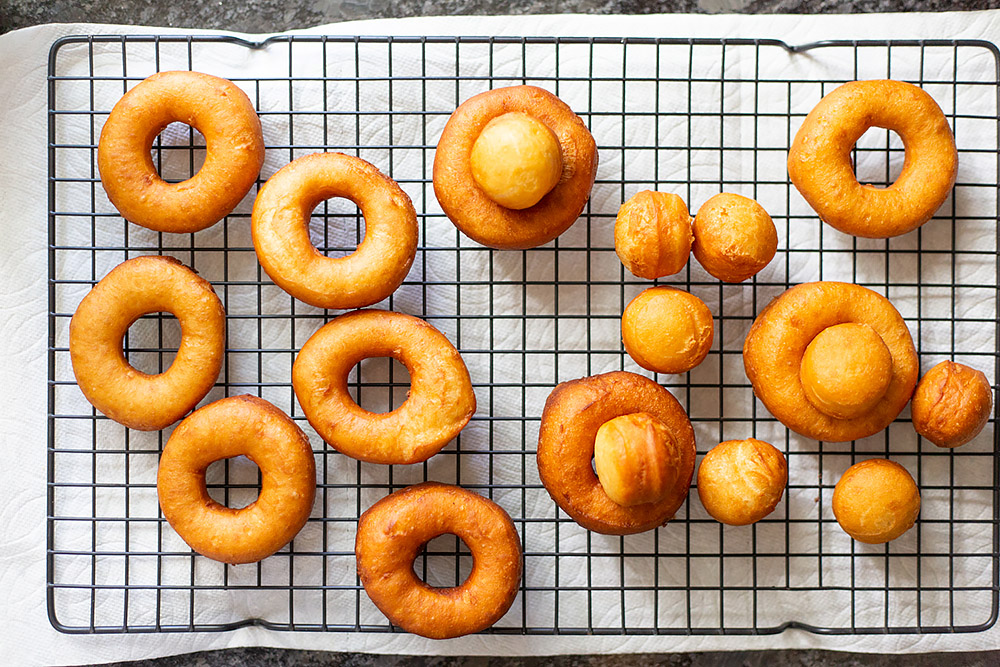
point(653, 234)
point(390, 535)
point(438, 406)
point(667, 330)
point(734, 237)
point(819, 161)
point(876, 501)
point(234, 151)
point(519, 134)
point(237, 426)
point(280, 228)
point(848, 360)
point(573, 414)
point(741, 481)
point(137, 287)
point(635, 459)
point(951, 404)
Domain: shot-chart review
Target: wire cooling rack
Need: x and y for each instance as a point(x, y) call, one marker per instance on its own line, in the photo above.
point(693, 117)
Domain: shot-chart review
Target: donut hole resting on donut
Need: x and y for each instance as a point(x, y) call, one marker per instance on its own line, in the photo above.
point(151, 343)
point(444, 562)
point(178, 152)
point(336, 227)
point(233, 482)
point(379, 384)
point(878, 157)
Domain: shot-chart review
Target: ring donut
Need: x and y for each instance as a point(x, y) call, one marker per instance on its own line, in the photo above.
point(234, 151)
point(819, 161)
point(571, 418)
point(477, 215)
point(137, 287)
point(280, 226)
point(390, 535)
point(439, 405)
point(795, 323)
point(237, 426)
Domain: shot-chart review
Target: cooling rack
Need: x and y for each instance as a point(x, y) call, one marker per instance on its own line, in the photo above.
point(693, 117)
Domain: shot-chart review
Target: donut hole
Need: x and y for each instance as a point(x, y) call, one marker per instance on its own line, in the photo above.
point(336, 227)
point(379, 384)
point(233, 482)
point(444, 562)
point(178, 152)
point(151, 343)
point(878, 157)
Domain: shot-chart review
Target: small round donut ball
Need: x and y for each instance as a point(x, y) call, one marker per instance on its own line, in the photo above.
point(516, 160)
point(734, 237)
point(653, 234)
point(876, 501)
point(846, 370)
point(951, 404)
point(635, 458)
point(667, 330)
point(741, 481)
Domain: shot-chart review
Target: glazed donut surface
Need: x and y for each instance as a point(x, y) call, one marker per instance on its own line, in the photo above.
point(439, 405)
point(138, 287)
point(777, 341)
point(482, 219)
point(819, 161)
point(235, 426)
point(390, 535)
point(280, 227)
point(573, 414)
point(234, 151)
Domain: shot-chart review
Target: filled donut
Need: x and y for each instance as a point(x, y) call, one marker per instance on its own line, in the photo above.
point(280, 227)
point(832, 361)
point(656, 436)
point(819, 161)
point(234, 151)
point(237, 426)
point(439, 405)
point(514, 167)
point(137, 287)
point(389, 538)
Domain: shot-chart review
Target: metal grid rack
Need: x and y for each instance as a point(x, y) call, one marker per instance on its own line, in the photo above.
point(690, 116)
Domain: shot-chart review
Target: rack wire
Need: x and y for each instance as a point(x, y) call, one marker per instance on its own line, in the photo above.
point(691, 116)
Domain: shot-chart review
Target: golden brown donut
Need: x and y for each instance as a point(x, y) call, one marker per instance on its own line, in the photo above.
point(234, 151)
point(237, 426)
point(390, 535)
point(741, 481)
point(635, 459)
point(473, 211)
point(734, 237)
point(667, 330)
point(819, 161)
point(573, 413)
point(439, 405)
point(777, 341)
point(137, 287)
point(876, 501)
point(280, 225)
point(952, 404)
point(653, 234)
point(846, 370)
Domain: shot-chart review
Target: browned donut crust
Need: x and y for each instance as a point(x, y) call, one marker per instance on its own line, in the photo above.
point(439, 405)
point(137, 287)
point(772, 354)
point(573, 413)
point(234, 151)
point(819, 161)
point(478, 216)
point(239, 425)
point(280, 225)
point(876, 501)
point(741, 481)
point(952, 404)
point(390, 535)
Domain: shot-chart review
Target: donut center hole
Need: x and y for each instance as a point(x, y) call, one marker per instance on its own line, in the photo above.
point(878, 157)
point(379, 384)
point(178, 152)
point(233, 482)
point(336, 227)
point(444, 562)
point(151, 343)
